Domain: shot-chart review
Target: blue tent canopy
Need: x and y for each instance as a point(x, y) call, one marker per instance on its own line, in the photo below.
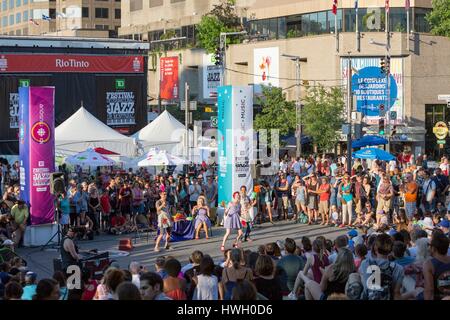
point(373, 153)
point(369, 141)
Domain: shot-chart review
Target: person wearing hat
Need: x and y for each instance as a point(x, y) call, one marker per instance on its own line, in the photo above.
point(19, 215)
point(30, 286)
point(444, 225)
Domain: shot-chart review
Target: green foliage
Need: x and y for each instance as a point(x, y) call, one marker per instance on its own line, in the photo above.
point(293, 33)
point(222, 18)
point(322, 115)
point(277, 113)
point(439, 18)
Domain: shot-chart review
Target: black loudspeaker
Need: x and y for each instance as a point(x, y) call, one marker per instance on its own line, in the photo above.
point(57, 185)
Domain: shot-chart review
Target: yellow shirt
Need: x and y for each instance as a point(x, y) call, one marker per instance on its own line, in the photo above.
point(20, 215)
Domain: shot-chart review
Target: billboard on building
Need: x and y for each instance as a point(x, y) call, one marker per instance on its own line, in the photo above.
point(369, 85)
point(169, 78)
point(235, 139)
point(266, 66)
point(211, 77)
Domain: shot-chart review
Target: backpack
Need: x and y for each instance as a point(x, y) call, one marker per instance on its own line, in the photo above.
point(385, 291)
point(303, 218)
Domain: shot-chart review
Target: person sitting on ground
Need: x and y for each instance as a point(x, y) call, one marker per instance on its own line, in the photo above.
point(399, 254)
point(152, 287)
point(62, 281)
point(339, 243)
point(436, 270)
point(334, 278)
point(233, 271)
point(118, 224)
point(135, 269)
point(128, 291)
point(244, 290)
point(361, 253)
point(174, 287)
point(289, 266)
point(206, 283)
point(112, 280)
point(196, 259)
point(19, 215)
point(85, 227)
point(30, 286)
point(13, 291)
point(266, 283)
point(159, 266)
point(47, 289)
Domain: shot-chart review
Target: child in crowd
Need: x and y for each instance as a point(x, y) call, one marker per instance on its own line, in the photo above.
point(334, 216)
point(361, 252)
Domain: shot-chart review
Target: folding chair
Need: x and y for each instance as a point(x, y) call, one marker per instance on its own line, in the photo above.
point(140, 231)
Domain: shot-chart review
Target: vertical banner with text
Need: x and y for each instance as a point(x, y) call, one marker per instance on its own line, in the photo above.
point(169, 78)
point(235, 133)
point(37, 151)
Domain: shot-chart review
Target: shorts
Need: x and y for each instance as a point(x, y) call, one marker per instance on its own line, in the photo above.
point(384, 205)
point(410, 208)
point(323, 207)
point(312, 203)
point(167, 230)
point(300, 203)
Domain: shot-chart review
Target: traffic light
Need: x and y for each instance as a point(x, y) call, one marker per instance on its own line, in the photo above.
point(218, 57)
point(382, 111)
point(388, 65)
point(381, 129)
point(383, 65)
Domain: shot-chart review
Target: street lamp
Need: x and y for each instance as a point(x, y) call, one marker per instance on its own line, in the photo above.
point(298, 120)
point(223, 47)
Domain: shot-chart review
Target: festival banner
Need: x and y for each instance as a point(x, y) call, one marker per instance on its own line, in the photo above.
point(120, 110)
point(24, 144)
point(13, 110)
point(169, 78)
point(266, 66)
point(39, 130)
point(12, 63)
point(369, 85)
point(235, 143)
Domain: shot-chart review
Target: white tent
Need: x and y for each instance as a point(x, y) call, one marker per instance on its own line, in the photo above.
point(165, 132)
point(82, 131)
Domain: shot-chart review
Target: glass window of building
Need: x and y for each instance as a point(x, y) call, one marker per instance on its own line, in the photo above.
point(294, 26)
point(18, 3)
point(85, 12)
point(52, 13)
point(102, 13)
point(117, 13)
point(306, 29)
point(332, 21)
point(11, 20)
point(5, 21)
point(25, 2)
point(282, 28)
point(25, 16)
point(18, 17)
point(397, 20)
point(420, 22)
point(11, 4)
point(322, 22)
point(313, 23)
point(4, 5)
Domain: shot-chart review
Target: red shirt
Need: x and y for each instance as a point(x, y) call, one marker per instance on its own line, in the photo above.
point(89, 291)
point(104, 202)
point(117, 221)
point(326, 195)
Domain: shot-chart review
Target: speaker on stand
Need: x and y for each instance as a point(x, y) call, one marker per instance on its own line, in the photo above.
point(57, 187)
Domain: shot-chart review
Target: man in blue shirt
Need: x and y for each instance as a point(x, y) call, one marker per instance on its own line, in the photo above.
point(30, 286)
point(289, 266)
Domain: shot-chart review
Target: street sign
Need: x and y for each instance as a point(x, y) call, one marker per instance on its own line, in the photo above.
point(445, 97)
point(192, 105)
point(346, 129)
point(209, 109)
point(393, 115)
point(24, 82)
point(441, 141)
point(440, 130)
point(214, 122)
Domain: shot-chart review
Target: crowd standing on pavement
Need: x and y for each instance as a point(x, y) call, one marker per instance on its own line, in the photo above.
point(395, 213)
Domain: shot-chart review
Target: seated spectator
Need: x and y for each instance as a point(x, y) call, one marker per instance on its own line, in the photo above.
point(398, 254)
point(436, 270)
point(273, 251)
point(174, 287)
point(128, 291)
point(233, 272)
point(152, 287)
point(5, 276)
point(19, 215)
point(118, 224)
point(4, 208)
point(289, 266)
point(112, 281)
point(340, 242)
point(85, 227)
point(265, 282)
point(159, 265)
point(13, 291)
point(89, 285)
point(47, 289)
point(334, 278)
point(244, 290)
point(196, 259)
point(206, 283)
point(60, 277)
point(361, 253)
point(30, 286)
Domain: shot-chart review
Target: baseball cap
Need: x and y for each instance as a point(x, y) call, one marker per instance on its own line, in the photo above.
point(31, 275)
point(444, 224)
point(8, 242)
point(352, 233)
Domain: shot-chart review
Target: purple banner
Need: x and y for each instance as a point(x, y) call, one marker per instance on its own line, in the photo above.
point(37, 151)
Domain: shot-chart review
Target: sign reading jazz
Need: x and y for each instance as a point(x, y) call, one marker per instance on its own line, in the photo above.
point(212, 75)
point(11, 63)
point(235, 133)
point(120, 108)
point(169, 78)
point(369, 85)
point(37, 150)
point(13, 110)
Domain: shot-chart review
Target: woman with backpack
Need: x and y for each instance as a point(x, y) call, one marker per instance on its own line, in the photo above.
point(234, 271)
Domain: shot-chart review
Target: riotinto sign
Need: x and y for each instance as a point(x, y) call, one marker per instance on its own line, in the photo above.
point(120, 108)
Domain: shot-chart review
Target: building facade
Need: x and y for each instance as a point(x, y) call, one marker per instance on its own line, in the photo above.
point(89, 18)
point(420, 68)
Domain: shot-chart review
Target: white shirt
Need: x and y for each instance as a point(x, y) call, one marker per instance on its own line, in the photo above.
point(392, 165)
point(283, 166)
point(136, 280)
point(207, 288)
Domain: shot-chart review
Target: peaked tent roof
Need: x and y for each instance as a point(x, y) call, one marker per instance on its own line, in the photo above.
point(161, 129)
point(82, 131)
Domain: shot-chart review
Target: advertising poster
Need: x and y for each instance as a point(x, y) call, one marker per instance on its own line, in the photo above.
point(24, 144)
point(266, 66)
point(13, 110)
point(40, 151)
point(120, 108)
point(235, 143)
point(169, 78)
point(369, 85)
point(211, 77)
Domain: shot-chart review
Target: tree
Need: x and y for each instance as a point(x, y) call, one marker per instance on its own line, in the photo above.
point(222, 18)
point(277, 113)
point(322, 115)
point(439, 18)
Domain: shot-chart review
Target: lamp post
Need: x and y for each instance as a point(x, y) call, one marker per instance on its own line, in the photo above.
point(223, 48)
point(298, 116)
